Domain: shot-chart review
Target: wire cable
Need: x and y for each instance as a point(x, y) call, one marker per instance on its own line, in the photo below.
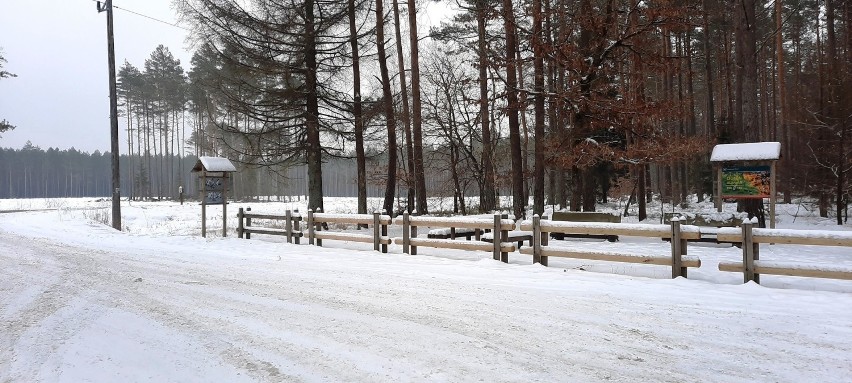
point(149, 17)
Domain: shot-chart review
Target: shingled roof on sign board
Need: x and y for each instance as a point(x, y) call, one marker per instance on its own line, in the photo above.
point(213, 164)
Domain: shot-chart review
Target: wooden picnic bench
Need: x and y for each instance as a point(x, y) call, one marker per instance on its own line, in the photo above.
point(518, 236)
point(458, 232)
point(454, 232)
point(585, 216)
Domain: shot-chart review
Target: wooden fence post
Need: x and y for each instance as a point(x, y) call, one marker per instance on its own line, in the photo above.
point(504, 237)
point(748, 252)
point(248, 224)
point(677, 249)
point(495, 237)
point(376, 230)
point(536, 237)
point(756, 256)
point(317, 227)
point(406, 236)
point(240, 223)
point(384, 233)
point(755, 253)
point(413, 233)
point(297, 228)
point(288, 226)
point(310, 223)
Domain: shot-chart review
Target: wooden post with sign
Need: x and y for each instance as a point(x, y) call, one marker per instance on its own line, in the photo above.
point(746, 171)
point(213, 187)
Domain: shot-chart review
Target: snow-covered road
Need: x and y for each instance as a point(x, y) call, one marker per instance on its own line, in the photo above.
point(92, 304)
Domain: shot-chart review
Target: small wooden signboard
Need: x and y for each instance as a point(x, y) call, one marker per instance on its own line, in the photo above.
point(214, 173)
point(746, 171)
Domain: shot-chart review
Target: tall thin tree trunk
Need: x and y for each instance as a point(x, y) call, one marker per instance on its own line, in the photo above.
point(406, 116)
point(747, 118)
point(729, 88)
point(784, 134)
point(419, 171)
point(130, 145)
point(538, 88)
point(512, 100)
point(709, 113)
point(387, 102)
point(522, 115)
point(747, 72)
point(487, 197)
point(357, 113)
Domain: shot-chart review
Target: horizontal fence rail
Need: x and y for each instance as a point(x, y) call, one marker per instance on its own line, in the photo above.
point(316, 229)
point(752, 267)
point(677, 233)
point(379, 222)
point(499, 225)
point(292, 221)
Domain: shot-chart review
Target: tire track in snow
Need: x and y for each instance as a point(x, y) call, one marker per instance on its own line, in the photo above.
point(321, 317)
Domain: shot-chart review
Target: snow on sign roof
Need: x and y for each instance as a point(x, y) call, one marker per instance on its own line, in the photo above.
point(214, 164)
point(754, 151)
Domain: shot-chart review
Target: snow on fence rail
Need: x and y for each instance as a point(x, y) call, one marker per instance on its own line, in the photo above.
point(499, 224)
point(292, 221)
point(315, 223)
point(379, 222)
point(752, 266)
point(678, 233)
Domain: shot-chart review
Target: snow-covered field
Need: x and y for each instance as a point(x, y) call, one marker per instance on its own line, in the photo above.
point(80, 302)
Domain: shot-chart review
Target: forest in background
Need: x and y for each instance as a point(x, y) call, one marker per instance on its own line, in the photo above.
point(32, 172)
point(563, 102)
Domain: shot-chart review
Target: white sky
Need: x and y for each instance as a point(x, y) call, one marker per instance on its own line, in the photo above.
point(58, 50)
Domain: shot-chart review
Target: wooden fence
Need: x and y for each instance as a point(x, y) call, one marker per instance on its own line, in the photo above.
point(678, 234)
point(752, 266)
point(379, 238)
point(291, 230)
point(500, 249)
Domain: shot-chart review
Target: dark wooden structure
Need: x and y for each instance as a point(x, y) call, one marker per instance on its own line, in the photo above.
point(214, 174)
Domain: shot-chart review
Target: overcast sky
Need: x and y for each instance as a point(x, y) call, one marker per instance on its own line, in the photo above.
point(58, 49)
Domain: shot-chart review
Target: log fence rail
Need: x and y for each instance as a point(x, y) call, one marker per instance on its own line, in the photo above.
point(677, 233)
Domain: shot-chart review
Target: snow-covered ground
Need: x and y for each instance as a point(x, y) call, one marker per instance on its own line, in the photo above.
point(80, 302)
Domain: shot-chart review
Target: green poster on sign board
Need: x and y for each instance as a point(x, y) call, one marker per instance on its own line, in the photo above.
point(746, 182)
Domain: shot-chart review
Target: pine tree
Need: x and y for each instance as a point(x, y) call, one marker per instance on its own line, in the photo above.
point(5, 125)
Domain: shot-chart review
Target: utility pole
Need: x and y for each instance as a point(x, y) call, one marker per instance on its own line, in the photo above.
point(113, 118)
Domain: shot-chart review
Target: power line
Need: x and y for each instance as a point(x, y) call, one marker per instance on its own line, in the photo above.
point(150, 17)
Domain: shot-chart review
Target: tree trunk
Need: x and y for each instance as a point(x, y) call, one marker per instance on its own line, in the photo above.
point(387, 102)
point(314, 146)
point(577, 193)
point(641, 193)
point(357, 113)
point(512, 99)
point(747, 74)
point(784, 134)
point(419, 171)
point(538, 88)
point(709, 113)
point(487, 197)
point(589, 189)
point(406, 120)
